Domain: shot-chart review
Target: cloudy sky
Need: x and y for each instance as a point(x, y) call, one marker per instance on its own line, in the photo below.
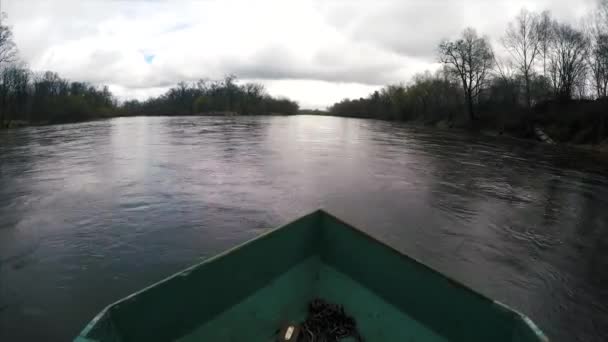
point(315, 52)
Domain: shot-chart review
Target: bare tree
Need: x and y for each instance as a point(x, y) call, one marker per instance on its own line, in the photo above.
point(8, 50)
point(567, 59)
point(522, 41)
point(545, 36)
point(504, 69)
point(603, 12)
point(597, 34)
point(8, 54)
point(470, 59)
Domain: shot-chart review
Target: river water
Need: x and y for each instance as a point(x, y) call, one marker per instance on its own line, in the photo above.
point(91, 212)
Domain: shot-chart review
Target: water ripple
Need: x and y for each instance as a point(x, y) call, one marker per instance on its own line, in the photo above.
point(97, 210)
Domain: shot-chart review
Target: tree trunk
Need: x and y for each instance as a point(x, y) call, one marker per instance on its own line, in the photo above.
point(470, 105)
point(528, 96)
point(602, 129)
point(2, 110)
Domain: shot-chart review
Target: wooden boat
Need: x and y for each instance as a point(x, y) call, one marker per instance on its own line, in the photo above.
point(249, 292)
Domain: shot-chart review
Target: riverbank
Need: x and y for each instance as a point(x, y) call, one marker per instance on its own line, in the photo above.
point(580, 123)
point(601, 147)
point(514, 131)
point(24, 123)
point(15, 124)
point(567, 122)
point(511, 130)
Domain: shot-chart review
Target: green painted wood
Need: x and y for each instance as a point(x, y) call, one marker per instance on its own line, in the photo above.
point(247, 293)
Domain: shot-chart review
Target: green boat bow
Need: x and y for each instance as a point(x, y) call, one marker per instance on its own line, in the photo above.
point(251, 291)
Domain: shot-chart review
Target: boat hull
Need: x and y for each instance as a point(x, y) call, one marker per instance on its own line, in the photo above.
point(248, 293)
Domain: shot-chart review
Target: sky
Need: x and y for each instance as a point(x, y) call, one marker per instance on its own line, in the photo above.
point(316, 52)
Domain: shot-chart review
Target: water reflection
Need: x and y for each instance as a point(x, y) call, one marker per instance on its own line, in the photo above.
point(98, 210)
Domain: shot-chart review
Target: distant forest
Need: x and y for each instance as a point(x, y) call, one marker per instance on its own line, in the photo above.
point(27, 97)
point(212, 97)
point(541, 73)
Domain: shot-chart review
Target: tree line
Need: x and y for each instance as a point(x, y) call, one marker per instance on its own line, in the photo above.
point(28, 97)
point(542, 71)
point(212, 97)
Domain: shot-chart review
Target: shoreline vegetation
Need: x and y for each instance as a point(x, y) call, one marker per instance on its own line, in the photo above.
point(545, 80)
point(29, 98)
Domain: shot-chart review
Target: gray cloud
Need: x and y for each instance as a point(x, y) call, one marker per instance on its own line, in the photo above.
point(328, 64)
point(363, 42)
point(414, 28)
point(408, 28)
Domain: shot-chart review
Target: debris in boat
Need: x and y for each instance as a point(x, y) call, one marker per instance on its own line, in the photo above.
point(289, 333)
point(327, 322)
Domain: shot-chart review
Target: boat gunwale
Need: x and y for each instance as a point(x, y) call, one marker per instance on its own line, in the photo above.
point(82, 336)
point(500, 306)
point(184, 272)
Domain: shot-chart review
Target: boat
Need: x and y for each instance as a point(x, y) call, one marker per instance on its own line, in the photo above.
point(264, 288)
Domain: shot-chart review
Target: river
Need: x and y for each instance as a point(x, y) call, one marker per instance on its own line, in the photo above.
point(90, 212)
